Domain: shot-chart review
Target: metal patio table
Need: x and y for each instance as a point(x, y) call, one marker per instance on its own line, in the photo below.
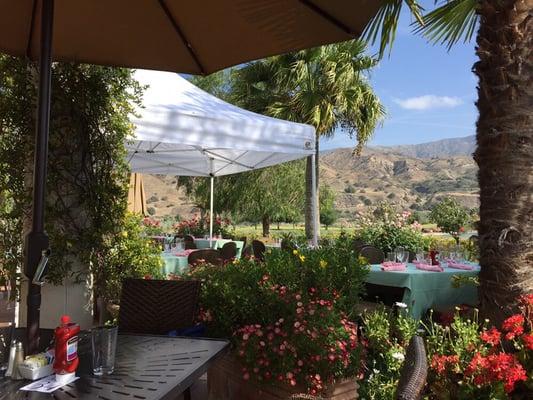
point(146, 368)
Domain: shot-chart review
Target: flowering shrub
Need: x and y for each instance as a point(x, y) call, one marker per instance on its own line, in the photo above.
point(289, 318)
point(198, 227)
point(466, 362)
point(386, 230)
point(152, 226)
point(386, 337)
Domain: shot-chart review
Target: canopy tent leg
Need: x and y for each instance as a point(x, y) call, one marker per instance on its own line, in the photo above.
point(211, 212)
point(316, 226)
point(37, 239)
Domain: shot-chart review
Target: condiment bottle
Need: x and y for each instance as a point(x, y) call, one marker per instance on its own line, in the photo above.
point(11, 361)
point(66, 349)
point(19, 359)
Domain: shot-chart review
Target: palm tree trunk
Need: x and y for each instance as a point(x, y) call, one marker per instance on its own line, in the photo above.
point(309, 226)
point(505, 154)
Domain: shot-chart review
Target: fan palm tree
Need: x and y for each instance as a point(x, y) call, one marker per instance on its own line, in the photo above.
point(324, 86)
point(504, 131)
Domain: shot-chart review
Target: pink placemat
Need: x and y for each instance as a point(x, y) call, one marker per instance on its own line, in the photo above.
point(392, 266)
point(428, 267)
point(456, 265)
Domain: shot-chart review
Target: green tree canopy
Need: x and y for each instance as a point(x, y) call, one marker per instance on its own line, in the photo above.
point(450, 216)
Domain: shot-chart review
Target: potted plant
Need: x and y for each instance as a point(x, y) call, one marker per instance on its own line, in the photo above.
point(290, 321)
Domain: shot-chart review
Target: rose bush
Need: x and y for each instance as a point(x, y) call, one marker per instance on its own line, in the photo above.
point(199, 226)
point(386, 229)
point(289, 318)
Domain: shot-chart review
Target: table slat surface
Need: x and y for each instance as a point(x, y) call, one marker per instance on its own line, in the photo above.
point(146, 368)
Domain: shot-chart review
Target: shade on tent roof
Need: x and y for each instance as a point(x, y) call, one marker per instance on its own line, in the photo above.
point(185, 131)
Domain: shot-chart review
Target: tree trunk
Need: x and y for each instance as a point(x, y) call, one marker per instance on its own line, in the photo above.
point(504, 154)
point(308, 194)
point(266, 225)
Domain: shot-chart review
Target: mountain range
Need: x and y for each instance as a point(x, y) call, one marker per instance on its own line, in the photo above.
point(411, 176)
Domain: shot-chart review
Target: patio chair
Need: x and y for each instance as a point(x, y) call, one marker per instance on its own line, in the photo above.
point(157, 307)
point(209, 256)
point(259, 250)
point(372, 254)
point(358, 244)
point(414, 371)
point(188, 238)
point(228, 251)
point(244, 240)
point(189, 245)
point(247, 252)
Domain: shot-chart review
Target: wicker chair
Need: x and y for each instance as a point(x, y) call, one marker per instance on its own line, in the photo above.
point(414, 371)
point(209, 256)
point(157, 306)
point(188, 238)
point(259, 250)
point(372, 254)
point(247, 252)
point(229, 251)
point(190, 245)
point(358, 244)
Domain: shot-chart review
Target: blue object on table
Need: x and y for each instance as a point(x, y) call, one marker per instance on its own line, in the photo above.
point(192, 331)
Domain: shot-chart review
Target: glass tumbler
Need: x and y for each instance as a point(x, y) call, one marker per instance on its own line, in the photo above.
point(104, 345)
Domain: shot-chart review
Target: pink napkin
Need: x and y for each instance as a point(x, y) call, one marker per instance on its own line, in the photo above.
point(456, 265)
point(427, 267)
point(392, 266)
point(184, 253)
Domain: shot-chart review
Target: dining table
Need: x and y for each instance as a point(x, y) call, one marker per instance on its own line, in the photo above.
point(146, 367)
point(424, 290)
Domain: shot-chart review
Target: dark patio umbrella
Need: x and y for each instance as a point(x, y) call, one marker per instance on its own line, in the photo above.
point(197, 37)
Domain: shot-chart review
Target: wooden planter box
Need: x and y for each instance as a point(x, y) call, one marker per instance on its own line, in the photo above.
point(224, 382)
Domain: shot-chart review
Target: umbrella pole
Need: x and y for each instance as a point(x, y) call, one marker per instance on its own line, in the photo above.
point(37, 239)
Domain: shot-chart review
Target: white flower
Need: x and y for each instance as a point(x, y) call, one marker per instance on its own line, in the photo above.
point(401, 305)
point(398, 356)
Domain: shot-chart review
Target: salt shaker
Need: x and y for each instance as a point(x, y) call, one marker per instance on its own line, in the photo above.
point(11, 360)
point(19, 359)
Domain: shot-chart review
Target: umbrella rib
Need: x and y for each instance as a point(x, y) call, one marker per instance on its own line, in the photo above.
point(30, 33)
point(327, 16)
point(182, 36)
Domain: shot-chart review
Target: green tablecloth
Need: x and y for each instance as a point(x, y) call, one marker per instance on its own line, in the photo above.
point(425, 289)
point(218, 243)
point(173, 264)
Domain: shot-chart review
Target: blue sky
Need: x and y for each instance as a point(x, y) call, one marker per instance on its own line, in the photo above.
point(429, 92)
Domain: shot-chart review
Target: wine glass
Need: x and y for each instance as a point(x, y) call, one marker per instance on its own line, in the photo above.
point(401, 255)
point(419, 254)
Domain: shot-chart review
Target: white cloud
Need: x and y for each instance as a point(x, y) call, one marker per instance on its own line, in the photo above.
point(428, 101)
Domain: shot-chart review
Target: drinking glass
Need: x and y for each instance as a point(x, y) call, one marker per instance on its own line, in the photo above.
point(391, 256)
point(104, 345)
point(419, 255)
point(401, 255)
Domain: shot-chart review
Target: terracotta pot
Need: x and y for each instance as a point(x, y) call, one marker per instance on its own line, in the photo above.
point(225, 382)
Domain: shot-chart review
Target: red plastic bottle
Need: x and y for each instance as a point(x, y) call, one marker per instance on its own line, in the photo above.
point(66, 347)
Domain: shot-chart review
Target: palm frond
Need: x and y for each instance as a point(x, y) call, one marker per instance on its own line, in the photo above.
point(451, 22)
point(385, 23)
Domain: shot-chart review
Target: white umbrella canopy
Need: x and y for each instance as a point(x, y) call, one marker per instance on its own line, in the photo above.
point(185, 131)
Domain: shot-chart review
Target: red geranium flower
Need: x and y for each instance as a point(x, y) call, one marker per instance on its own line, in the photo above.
point(514, 326)
point(528, 341)
point(491, 336)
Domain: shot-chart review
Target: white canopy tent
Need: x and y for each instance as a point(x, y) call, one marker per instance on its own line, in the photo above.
point(185, 131)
